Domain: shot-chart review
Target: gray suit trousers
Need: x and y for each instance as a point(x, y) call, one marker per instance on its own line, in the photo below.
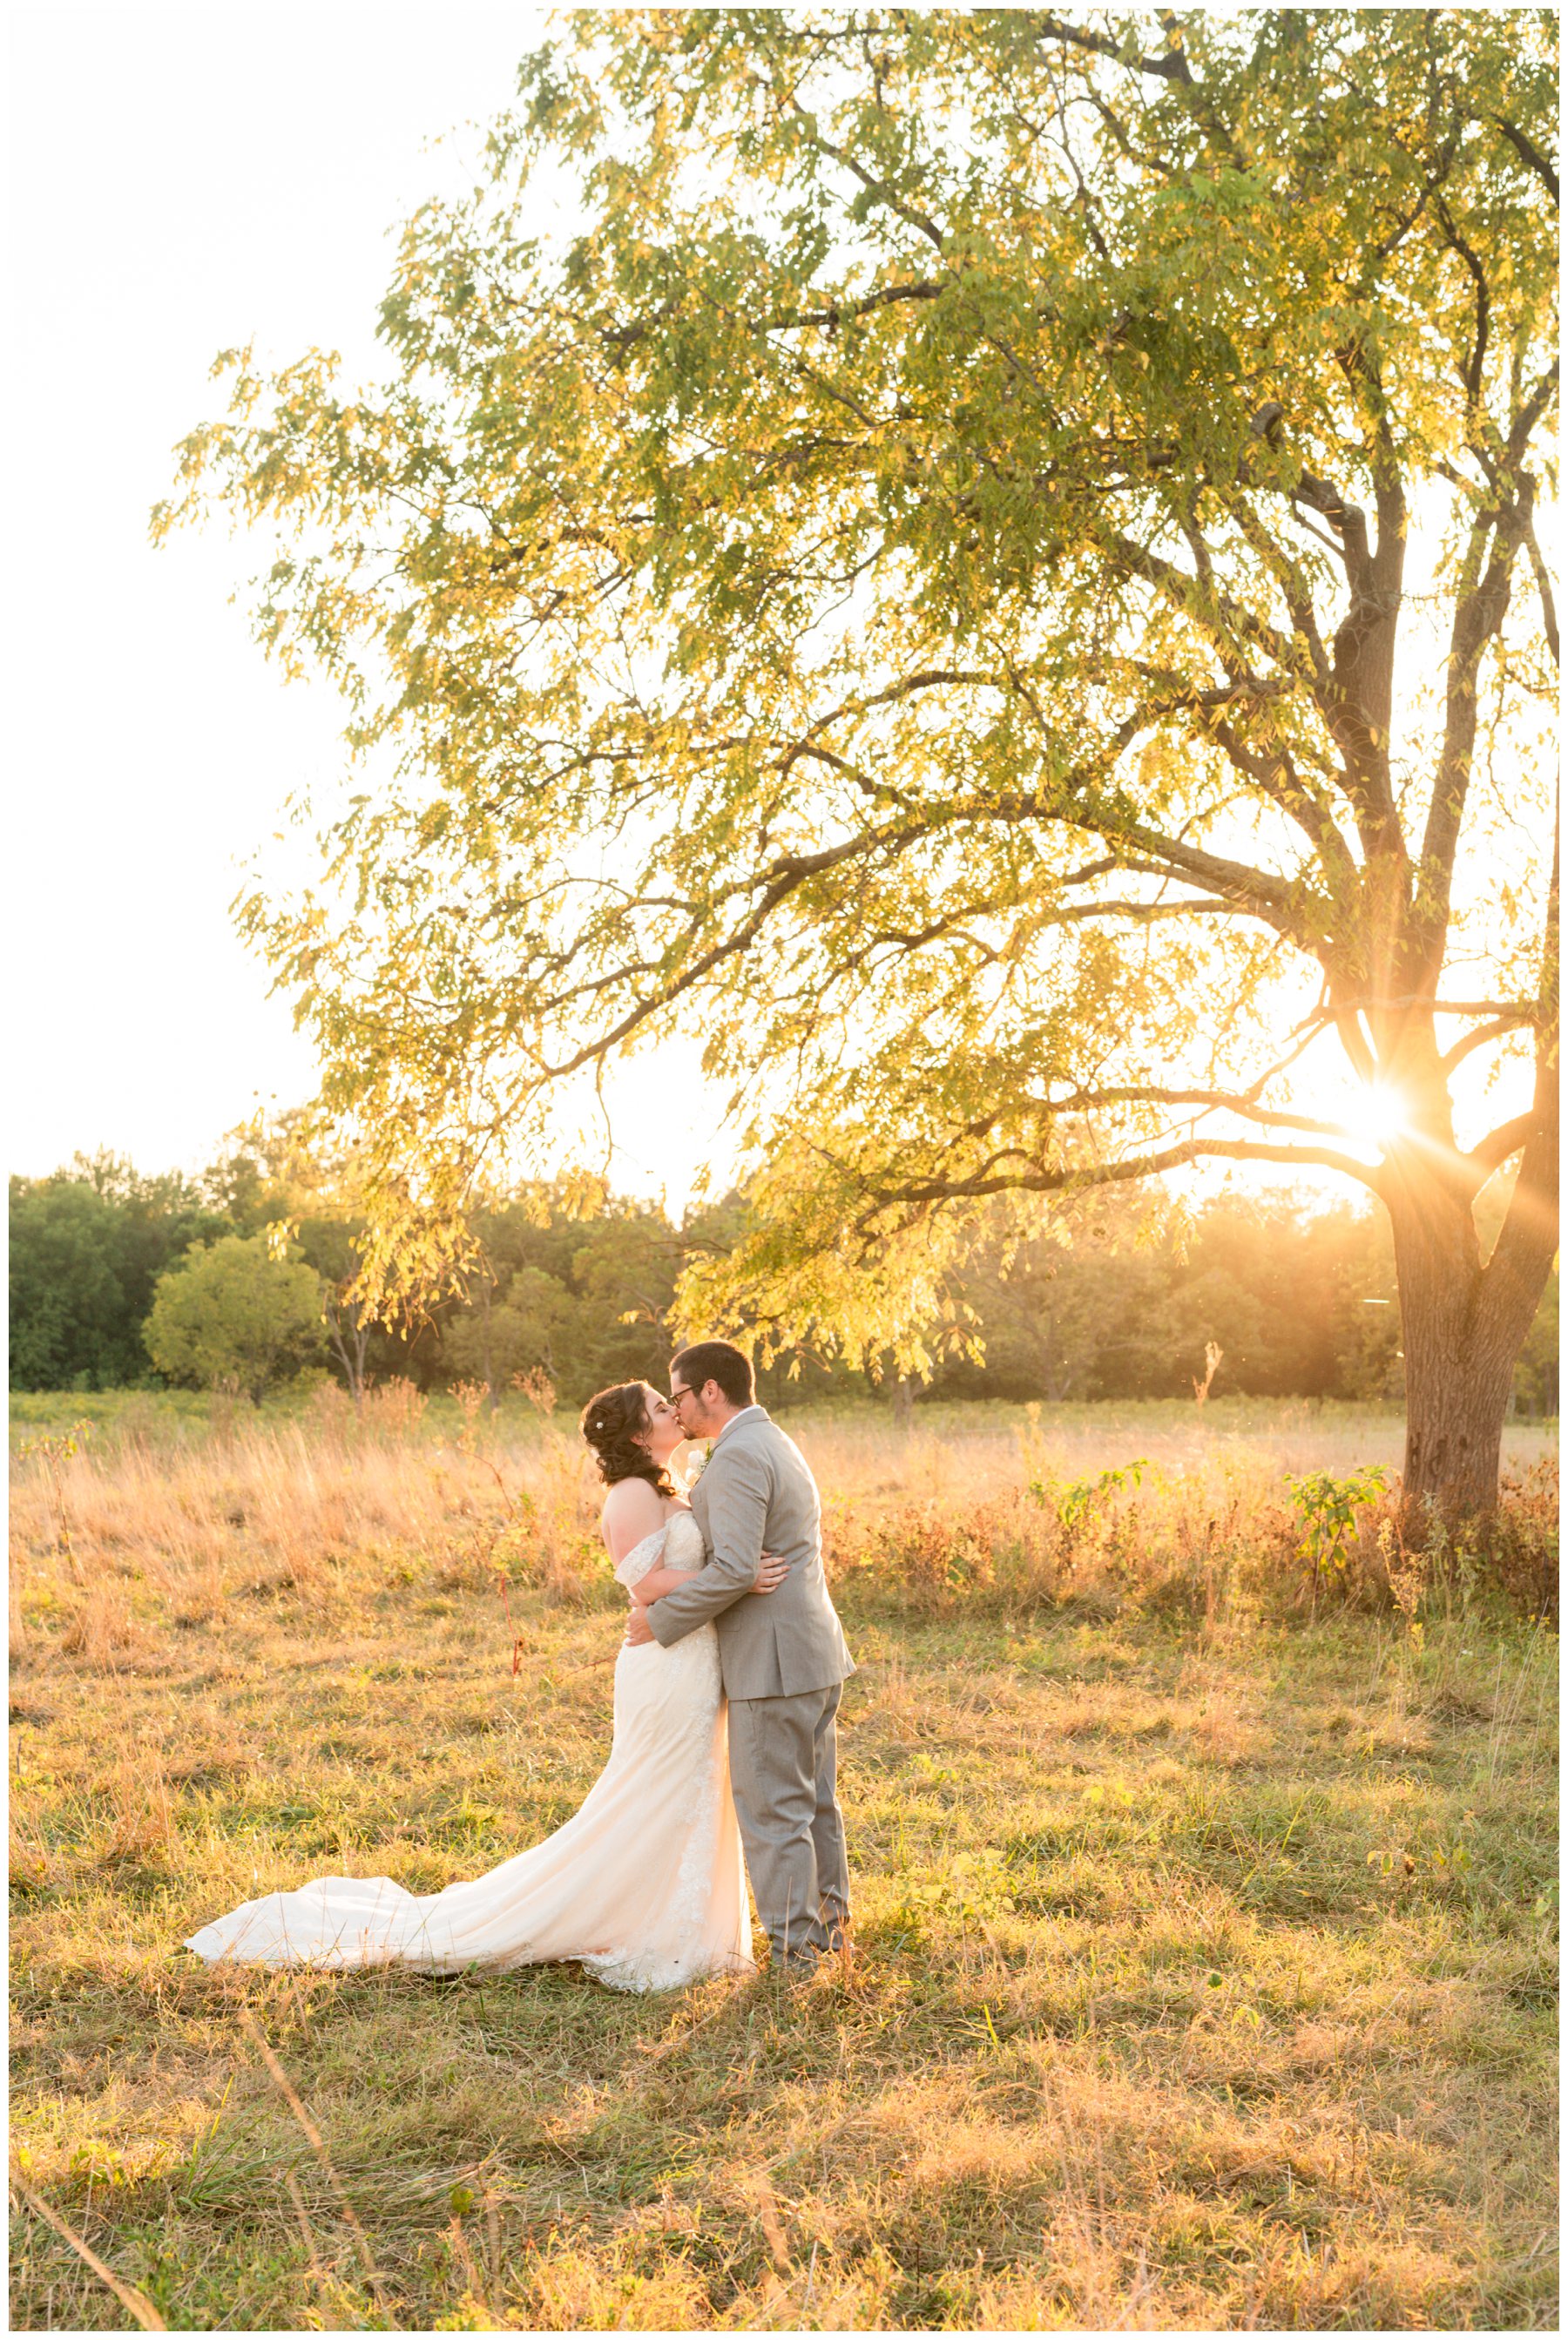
point(783, 1766)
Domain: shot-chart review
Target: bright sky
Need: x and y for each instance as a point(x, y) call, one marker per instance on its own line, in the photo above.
point(183, 180)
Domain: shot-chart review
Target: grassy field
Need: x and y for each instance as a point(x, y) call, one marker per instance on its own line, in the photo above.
point(1207, 1954)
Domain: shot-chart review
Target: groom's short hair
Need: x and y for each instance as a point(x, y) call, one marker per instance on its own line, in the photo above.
point(716, 1360)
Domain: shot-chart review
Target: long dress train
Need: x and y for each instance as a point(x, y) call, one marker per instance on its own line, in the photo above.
point(645, 1884)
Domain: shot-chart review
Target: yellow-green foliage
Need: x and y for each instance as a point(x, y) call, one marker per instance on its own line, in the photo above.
point(1206, 1962)
point(236, 1314)
point(1012, 537)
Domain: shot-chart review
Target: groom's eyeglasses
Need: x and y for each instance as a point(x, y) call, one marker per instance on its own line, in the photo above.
point(676, 1395)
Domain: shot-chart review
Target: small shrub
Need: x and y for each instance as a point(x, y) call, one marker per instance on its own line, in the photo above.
point(1520, 1542)
point(53, 1453)
point(933, 1555)
point(1327, 1509)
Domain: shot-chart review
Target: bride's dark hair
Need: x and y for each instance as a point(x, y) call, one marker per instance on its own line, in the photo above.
point(611, 1422)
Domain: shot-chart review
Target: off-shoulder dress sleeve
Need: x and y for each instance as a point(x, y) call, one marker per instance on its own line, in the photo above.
point(642, 1557)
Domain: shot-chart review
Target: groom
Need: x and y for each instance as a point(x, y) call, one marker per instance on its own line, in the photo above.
point(784, 1659)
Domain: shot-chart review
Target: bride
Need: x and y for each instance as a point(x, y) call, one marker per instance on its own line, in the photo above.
point(644, 1884)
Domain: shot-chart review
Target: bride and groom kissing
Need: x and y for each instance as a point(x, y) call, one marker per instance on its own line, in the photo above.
point(727, 1690)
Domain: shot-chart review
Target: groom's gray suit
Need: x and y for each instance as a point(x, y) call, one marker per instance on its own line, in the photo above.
point(784, 1661)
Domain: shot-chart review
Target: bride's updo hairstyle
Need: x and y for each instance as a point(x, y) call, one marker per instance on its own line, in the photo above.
point(611, 1423)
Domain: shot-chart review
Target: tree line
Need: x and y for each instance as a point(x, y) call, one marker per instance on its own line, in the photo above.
point(241, 1278)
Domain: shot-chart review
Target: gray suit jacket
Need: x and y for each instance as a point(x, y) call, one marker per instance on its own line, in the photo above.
point(756, 1495)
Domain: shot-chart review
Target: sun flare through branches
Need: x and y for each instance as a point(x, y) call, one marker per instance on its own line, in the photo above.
point(1377, 1116)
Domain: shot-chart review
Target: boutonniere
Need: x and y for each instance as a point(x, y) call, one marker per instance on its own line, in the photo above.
point(695, 1468)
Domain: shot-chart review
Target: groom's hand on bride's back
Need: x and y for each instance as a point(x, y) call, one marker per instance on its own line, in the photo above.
point(772, 1570)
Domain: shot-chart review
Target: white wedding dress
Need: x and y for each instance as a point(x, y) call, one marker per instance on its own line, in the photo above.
point(644, 1884)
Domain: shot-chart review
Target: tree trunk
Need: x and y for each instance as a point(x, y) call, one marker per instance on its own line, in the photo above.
point(1465, 1321)
point(1463, 1336)
point(491, 1399)
point(349, 1346)
point(1456, 1400)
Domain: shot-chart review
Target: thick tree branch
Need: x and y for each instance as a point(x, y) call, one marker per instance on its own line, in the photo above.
point(1272, 769)
point(1479, 611)
point(1527, 1242)
point(1243, 1103)
point(1358, 697)
point(1184, 592)
point(926, 679)
point(1292, 584)
point(1481, 1037)
point(1544, 587)
point(1171, 68)
point(1276, 775)
point(1518, 1011)
point(1522, 428)
point(1496, 1148)
point(1472, 373)
point(828, 317)
point(1068, 914)
point(1365, 374)
point(1530, 154)
point(1149, 913)
point(1274, 898)
point(1354, 1041)
point(1041, 1180)
point(1347, 521)
point(905, 211)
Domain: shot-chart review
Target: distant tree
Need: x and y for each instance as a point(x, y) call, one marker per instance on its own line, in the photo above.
point(1266, 1279)
point(1300, 1298)
point(86, 1247)
point(1049, 1295)
point(585, 1300)
point(526, 1329)
point(327, 1245)
point(234, 1315)
point(1113, 1296)
point(624, 1272)
point(278, 1178)
point(1353, 1250)
point(239, 1184)
point(69, 1320)
point(1536, 1376)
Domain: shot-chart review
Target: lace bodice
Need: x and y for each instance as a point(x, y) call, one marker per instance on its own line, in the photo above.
point(677, 1544)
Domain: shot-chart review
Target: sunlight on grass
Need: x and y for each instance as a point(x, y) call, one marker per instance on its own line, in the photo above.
point(1207, 1962)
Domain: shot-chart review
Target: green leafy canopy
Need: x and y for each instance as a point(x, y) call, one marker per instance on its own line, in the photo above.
point(885, 537)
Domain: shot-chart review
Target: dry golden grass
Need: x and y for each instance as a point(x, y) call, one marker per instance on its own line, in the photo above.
point(1207, 1958)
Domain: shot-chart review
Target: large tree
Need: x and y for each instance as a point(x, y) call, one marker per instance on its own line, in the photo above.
point(990, 560)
